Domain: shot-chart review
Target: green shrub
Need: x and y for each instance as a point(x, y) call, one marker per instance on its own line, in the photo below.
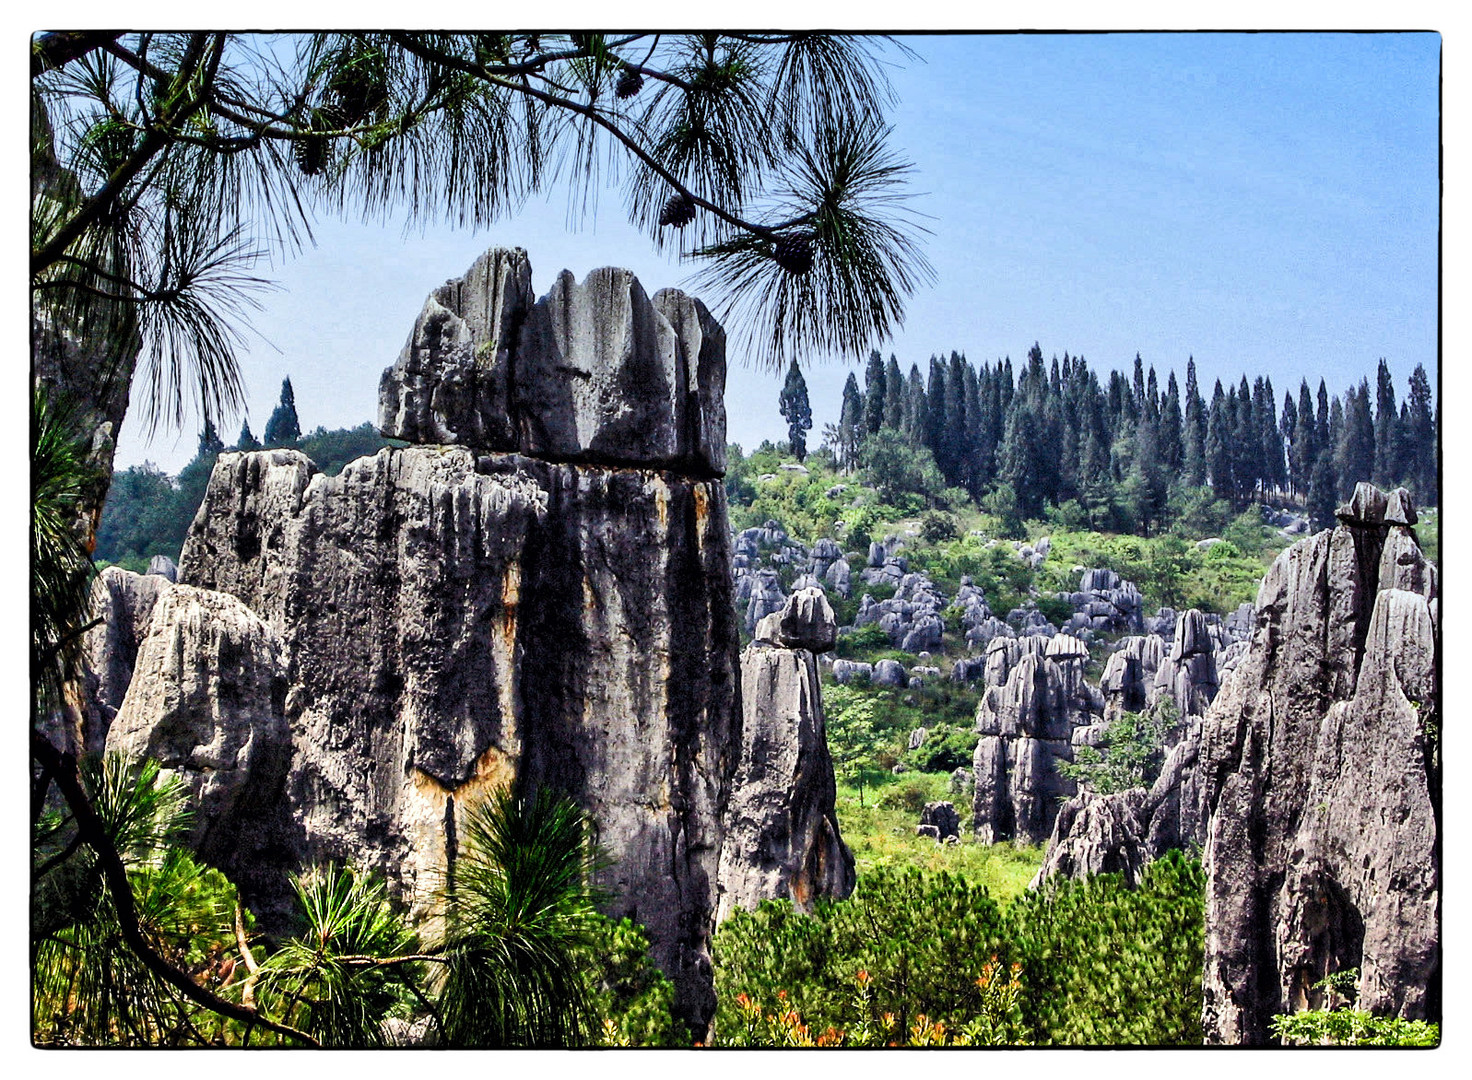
point(1055, 609)
point(1347, 1027)
point(633, 998)
point(1099, 963)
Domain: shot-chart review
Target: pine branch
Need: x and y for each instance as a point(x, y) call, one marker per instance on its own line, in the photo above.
point(63, 768)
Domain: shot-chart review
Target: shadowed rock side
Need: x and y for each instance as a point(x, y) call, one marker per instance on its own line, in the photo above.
point(782, 836)
point(1321, 776)
point(122, 604)
point(454, 623)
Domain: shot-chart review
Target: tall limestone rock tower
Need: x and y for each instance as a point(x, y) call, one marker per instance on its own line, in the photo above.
point(1321, 783)
point(537, 593)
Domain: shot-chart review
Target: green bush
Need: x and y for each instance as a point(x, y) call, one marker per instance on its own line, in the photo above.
point(1347, 1027)
point(1055, 609)
point(633, 998)
point(1099, 963)
point(947, 748)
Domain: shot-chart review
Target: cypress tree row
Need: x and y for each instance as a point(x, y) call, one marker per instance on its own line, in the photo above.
point(1126, 455)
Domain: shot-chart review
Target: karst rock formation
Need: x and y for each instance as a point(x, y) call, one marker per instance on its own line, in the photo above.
point(1321, 779)
point(782, 835)
point(537, 591)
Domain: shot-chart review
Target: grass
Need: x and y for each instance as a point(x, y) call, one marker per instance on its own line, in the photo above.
point(880, 836)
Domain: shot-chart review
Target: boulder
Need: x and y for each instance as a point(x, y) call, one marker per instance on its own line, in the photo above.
point(164, 567)
point(806, 622)
point(942, 817)
point(889, 673)
point(851, 671)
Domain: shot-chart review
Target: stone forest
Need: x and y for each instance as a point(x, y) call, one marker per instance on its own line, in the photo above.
point(563, 703)
point(537, 586)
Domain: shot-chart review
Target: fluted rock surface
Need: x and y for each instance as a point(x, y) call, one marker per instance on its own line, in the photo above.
point(1187, 674)
point(782, 837)
point(1027, 727)
point(546, 602)
point(595, 371)
point(206, 701)
point(453, 623)
point(1321, 777)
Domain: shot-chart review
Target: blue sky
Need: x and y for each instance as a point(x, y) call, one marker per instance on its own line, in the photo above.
point(1265, 202)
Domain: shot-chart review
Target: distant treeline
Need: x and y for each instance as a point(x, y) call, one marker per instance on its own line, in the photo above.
point(148, 512)
point(1055, 436)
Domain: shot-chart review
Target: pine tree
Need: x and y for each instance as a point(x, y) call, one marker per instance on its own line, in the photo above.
point(1420, 431)
point(1288, 429)
point(917, 409)
point(1323, 485)
point(874, 393)
point(1219, 433)
point(850, 423)
point(1356, 453)
point(1172, 443)
point(283, 428)
point(793, 403)
point(894, 394)
point(1388, 468)
point(957, 422)
point(247, 440)
point(1305, 440)
point(210, 443)
point(937, 420)
point(1274, 470)
point(1193, 451)
point(1018, 465)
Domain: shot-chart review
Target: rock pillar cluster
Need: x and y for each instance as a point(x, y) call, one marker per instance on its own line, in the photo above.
point(537, 593)
point(1027, 725)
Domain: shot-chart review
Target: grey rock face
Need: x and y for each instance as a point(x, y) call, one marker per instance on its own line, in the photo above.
point(889, 673)
point(1321, 776)
point(852, 671)
point(1098, 834)
point(123, 601)
point(781, 832)
point(1128, 681)
point(594, 372)
point(452, 383)
point(765, 597)
point(454, 623)
point(1188, 672)
point(942, 817)
point(1122, 831)
point(206, 702)
point(839, 579)
point(1026, 727)
point(164, 567)
point(806, 622)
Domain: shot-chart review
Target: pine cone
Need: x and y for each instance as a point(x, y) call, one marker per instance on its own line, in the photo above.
point(794, 253)
point(678, 211)
point(311, 154)
point(629, 84)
